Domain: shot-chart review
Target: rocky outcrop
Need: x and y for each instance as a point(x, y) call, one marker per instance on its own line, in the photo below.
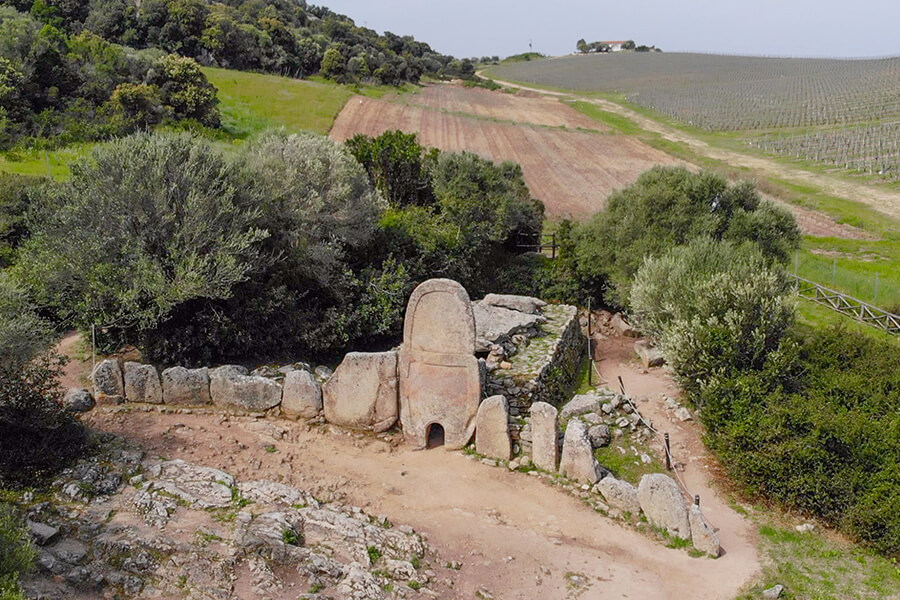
point(492, 429)
point(231, 387)
point(599, 435)
point(362, 393)
point(663, 504)
point(496, 325)
point(621, 326)
point(524, 304)
point(142, 384)
point(109, 385)
point(578, 460)
point(544, 436)
point(702, 535)
point(302, 395)
point(186, 387)
point(619, 494)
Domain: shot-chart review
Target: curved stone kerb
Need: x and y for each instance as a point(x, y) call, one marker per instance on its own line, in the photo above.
point(439, 318)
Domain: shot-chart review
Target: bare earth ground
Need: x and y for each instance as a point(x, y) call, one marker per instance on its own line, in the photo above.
point(516, 537)
point(885, 201)
point(572, 172)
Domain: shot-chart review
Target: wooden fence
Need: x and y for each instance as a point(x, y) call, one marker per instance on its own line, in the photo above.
point(847, 305)
point(542, 242)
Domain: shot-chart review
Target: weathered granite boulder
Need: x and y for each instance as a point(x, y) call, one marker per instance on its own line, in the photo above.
point(362, 393)
point(440, 378)
point(323, 373)
point(544, 436)
point(492, 428)
point(302, 395)
point(230, 386)
point(663, 504)
point(581, 405)
point(702, 535)
point(599, 435)
point(183, 386)
point(78, 400)
point(578, 460)
point(619, 494)
point(197, 486)
point(41, 533)
point(494, 324)
point(142, 384)
point(649, 354)
point(621, 326)
point(109, 385)
point(525, 304)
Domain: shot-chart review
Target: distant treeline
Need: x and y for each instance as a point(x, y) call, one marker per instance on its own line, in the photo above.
point(589, 48)
point(287, 37)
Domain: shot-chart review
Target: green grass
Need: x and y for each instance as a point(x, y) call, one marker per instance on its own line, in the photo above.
point(253, 102)
point(616, 122)
point(627, 466)
point(44, 163)
point(811, 567)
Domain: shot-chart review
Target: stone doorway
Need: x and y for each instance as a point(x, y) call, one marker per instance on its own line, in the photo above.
point(435, 435)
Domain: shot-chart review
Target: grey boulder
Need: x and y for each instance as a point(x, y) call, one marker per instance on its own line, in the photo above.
point(578, 460)
point(231, 386)
point(492, 428)
point(302, 395)
point(109, 385)
point(525, 304)
point(78, 400)
point(183, 386)
point(619, 494)
point(663, 504)
point(702, 535)
point(142, 384)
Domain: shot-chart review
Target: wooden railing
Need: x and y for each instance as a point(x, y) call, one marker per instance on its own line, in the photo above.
point(847, 305)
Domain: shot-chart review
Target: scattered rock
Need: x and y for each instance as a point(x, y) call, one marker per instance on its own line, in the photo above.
point(323, 373)
point(109, 385)
point(142, 384)
point(78, 400)
point(773, 593)
point(41, 533)
point(621, 326)
point(619, 494)
point(362, 393)
point(302, 395)
point(683, 414)
point(702, 535)
point(578, 462)
point(69, 551)
point(599, 436)
point(231, 386)
point(805, 528)
point(492, 428)
point(525, 304)
point(649, 354)
point(544, 436)
point(186, 387)
point(663, 504)
point(580, 405)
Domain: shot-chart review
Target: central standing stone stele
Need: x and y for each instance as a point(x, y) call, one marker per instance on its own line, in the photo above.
point(440, 380)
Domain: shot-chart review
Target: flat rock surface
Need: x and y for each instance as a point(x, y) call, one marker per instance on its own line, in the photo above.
point(495, 324)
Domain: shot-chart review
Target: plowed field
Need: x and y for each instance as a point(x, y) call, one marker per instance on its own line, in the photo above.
point(572, 171)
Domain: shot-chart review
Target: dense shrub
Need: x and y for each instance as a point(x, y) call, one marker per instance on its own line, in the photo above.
point(283, 250)
point(37, 436)
point(670, 206)
point(714, 307)
point(16, 554)
point(80, 87)
point(15, 198)
point(817, 429)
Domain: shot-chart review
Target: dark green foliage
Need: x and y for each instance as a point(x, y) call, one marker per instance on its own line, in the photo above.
point(16, 553)
point(69, 88)
point(276, 36)
point(818, 429)
point(15, 198)
point(37, 436)
point(670, 206)
point(397, 166)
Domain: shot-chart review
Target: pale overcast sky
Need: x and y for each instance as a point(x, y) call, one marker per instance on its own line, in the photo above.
point(850, 28)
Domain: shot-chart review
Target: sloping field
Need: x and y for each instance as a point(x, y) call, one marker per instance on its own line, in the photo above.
point(521, 107)
point(572, 172)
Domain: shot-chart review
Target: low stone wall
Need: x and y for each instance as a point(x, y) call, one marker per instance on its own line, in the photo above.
point(544, 370)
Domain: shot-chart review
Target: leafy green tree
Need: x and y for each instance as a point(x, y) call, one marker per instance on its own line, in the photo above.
point(333, 64)
point(581, 46)
point(184, 88)
point(148, 223)
point(670, 206)
point(397, 166)
point(714, 307)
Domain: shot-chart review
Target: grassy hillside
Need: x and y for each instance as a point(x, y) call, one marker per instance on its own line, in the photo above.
point(252, 102)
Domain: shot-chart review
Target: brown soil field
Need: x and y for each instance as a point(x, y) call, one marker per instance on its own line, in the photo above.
point(520, 107)
point(571, 171)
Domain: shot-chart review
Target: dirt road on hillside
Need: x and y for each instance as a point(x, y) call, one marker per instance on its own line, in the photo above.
point(885, 201)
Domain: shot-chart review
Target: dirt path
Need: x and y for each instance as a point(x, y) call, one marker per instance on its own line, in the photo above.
point(885, 201)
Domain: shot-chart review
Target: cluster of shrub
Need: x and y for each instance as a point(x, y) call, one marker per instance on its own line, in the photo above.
point(66, 88)
point(287, 37)
point(805, 417)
